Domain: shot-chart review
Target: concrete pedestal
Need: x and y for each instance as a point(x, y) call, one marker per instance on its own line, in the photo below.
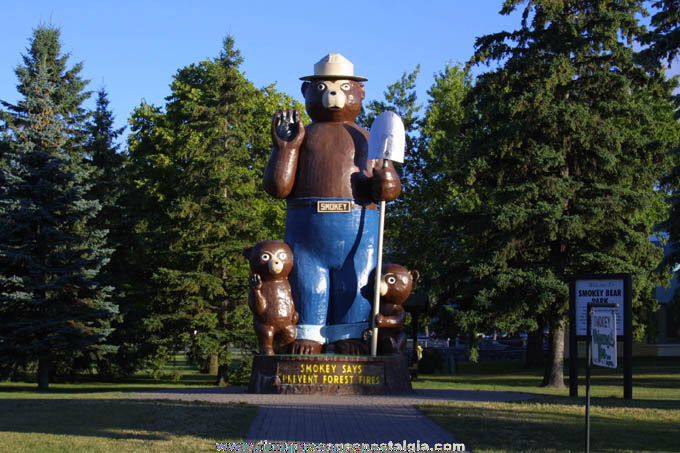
point(330, 374)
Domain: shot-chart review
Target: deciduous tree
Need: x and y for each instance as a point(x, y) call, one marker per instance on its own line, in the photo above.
point(199, 165)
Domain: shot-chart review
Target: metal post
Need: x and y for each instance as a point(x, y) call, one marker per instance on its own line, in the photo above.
point(573, 342)
point(589, 358)
point(378, 278)
point(628, 337)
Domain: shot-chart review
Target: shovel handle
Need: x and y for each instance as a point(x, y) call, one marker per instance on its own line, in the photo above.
point(378, 277)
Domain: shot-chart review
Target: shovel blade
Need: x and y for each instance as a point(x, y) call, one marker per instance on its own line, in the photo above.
point(387, 139)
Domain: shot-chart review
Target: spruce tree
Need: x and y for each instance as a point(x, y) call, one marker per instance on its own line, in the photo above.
point(68, 94)
point(110, 186)
point(571, 138)
point(663, 39)
point(52, 307)
point(663, 42)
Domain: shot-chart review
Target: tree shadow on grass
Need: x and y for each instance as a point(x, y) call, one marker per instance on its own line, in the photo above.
point(523, 428)
point(125, 419)
point(58, 389)
point(612, 402)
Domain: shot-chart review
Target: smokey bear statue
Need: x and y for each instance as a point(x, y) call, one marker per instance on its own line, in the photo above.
point(331, 218)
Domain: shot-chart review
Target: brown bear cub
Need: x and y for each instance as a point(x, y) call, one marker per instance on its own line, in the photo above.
point(270, 298)
point(395, 287)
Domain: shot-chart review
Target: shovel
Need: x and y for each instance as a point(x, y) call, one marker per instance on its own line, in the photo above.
point(386, 141)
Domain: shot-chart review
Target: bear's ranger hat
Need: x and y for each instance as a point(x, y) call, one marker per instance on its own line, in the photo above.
point(334, 66)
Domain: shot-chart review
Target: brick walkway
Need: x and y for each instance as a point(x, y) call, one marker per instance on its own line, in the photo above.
point(345, 423)
point(340, 419)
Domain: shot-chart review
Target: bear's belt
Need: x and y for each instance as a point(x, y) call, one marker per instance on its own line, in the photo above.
point(324, 206)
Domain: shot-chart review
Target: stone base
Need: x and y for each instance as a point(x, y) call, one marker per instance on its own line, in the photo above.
point(330, 374)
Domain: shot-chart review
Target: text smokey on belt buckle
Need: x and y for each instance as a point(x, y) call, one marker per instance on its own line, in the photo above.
point(334, 206)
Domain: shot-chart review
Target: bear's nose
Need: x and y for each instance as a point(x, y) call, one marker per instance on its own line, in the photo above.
point(333, 93)
point(275, 266)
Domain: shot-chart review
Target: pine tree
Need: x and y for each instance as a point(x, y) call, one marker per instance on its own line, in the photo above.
point(200, 166)
point(51, 304)
point(570, 140)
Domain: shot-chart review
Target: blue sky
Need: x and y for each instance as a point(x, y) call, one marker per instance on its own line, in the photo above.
point(132, 48)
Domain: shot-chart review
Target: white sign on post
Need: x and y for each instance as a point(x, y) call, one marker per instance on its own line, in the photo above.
point(597, 292)
point(603, 331)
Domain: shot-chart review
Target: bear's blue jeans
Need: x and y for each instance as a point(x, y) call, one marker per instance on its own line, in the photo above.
point(334, 254)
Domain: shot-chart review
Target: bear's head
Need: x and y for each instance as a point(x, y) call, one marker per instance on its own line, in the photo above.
point(333, 100)
point(397, 283)
point(272, 260)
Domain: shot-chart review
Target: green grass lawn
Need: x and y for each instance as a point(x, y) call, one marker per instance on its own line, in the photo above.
point(78, 423)
point(653, 378)
point(553, 422)
point(98, 417)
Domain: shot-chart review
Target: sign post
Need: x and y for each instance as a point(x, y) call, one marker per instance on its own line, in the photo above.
point(601, 331)
point(601, 289)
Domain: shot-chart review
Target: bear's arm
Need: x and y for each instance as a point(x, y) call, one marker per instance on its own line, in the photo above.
point(279, 174)
point(288, 134)
point(396, 319)
point(258, 304)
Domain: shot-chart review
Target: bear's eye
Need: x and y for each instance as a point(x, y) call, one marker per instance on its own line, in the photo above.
point(391, 280)
point(283, 256)
point(346, 86)
point(321, 86)
point(265, 257)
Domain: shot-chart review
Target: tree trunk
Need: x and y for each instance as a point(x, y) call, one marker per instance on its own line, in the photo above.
point(43, 373)
point(535, 358)
point(213, 363)
point(554, 367)
point(222, 380)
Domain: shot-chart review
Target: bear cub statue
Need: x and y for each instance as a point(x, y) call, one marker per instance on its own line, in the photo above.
point(395, 287)
point(270, 298)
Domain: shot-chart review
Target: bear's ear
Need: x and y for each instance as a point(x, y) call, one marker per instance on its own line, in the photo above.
point(246, 252)
point(415, 275)
point(304, 87)
point(363, 90)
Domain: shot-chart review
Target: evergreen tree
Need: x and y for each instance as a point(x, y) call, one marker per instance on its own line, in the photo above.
point(52, 307)
point(664, 45)
point(68, 94)
point(109, 188)
point(664, 37)
point(401, 99)
point(570, 140)
point(200, 166)
point(103, 152)
point(418, 232)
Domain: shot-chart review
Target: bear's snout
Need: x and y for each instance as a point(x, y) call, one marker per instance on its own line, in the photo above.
point(383, 287)
point(333, 99)
point(275, 266)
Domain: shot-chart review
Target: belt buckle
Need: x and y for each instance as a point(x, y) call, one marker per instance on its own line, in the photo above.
point(334, 206)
